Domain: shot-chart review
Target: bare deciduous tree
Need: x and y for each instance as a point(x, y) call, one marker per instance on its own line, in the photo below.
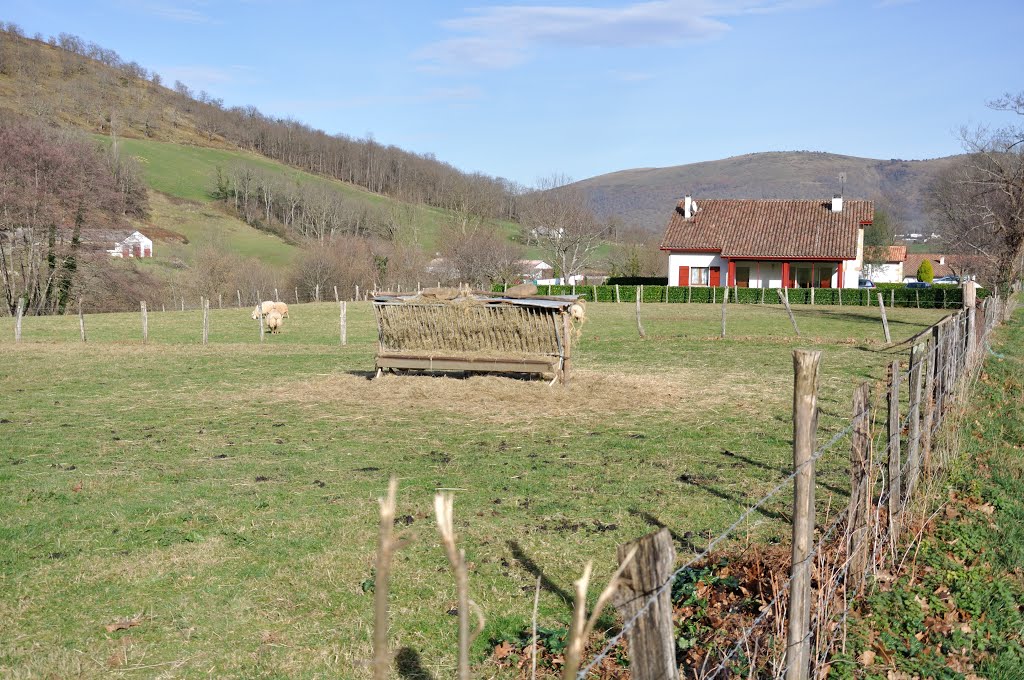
point(980, 200)
point(556, 219)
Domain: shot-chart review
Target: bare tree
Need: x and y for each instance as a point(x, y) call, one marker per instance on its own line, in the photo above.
point(556, 219)
point(980, 199)
point(481, 256)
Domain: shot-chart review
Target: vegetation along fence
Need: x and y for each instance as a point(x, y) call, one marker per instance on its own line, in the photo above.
point(936, 297)
point(783, 625)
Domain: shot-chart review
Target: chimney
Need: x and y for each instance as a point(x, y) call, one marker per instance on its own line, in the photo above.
point(942, 259)
point(837, 203)
point(688, 207)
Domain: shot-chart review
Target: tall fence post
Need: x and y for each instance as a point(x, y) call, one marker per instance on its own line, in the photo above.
point(725, 300)
point(296, 296)
point(895, 466)
point(316, 293)
point(206, 321)
point(239, 294)
point(81, 319)
point(929, 405)
point(145, 321)
point(343, 323)
point(806, 365)
point(784, 296)
point(617, 293)
point(917, 353)
point(276, 296)
point(357, 293)
point(336, 298)
point(183, 304)
point(860, 498)
point(17, 320)
point(885, 319)
point(652, 644)
point(639, 325)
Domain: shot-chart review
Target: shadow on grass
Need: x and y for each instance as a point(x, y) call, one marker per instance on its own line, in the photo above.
point(410, 666)
point(734, 498)
point(532, 567)
point(685, 541)
point(782, 471)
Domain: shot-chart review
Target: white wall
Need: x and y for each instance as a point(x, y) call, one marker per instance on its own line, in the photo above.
point(677, 260)
point(884, 273)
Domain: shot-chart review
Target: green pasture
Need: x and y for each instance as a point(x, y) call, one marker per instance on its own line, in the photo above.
point(227, 493)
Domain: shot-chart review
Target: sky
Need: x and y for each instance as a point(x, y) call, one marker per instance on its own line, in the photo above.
point(530, 90)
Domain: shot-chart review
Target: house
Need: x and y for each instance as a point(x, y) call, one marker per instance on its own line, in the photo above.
point(767, 243)
point(135, 245)
point(965, 267)
point(884, 264)
point(534, 270)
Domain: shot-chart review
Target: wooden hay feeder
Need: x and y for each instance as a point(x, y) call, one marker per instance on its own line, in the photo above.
point(476, 332)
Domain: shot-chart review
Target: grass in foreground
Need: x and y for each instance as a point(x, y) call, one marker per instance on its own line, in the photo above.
point(227, 493)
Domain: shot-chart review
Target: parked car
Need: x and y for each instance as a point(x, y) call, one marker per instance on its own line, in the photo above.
point(865, 283)
point(955, 280)
point(919, 284)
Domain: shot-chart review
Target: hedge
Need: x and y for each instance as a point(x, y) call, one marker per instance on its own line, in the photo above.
point(938, 297)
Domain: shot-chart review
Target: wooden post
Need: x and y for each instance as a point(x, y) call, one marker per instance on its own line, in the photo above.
point(357, 293)
point(566, 348)
point(81, 319)
point(805, 425)
point(893, 430)
point(220, 300)
point(689, 292)
point(336, 298)
point(17, 320)
point(885, 320)
point(892, 298)
point(239, 294)
point(812, 296)
point(666, 294)
point(639, 325)
point(574, 290)
point(183, 304)
point(860, 499)
point(914, 413)
point(917, 296)
point(344, 323)
point(206, 321)
point(162, 307)
point(736, 293)
point(296, 296)
point(652, 646)
point(725, 300)
point(762, 294)
point(784, 296)
point(714, 295)
point(316, 292)
point(617, 293)
point(593, 289)
point(145, 321)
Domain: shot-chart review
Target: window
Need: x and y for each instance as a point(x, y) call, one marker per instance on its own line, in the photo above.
point(699, 276)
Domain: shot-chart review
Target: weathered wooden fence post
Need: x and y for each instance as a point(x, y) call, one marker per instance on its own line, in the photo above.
point(336, 298)
point(725, 300)
point(617, 293)
point(239, 294)
point(885, 320)
point(145, 321)
point(784, 296)
point(357, 294)
point(639, 325)
point(806, 365)
point(860, 498)
point(593, 290)
point(81, 319)
point(344, 323)
point(914, 414)
point(17, 319)
point(206, 321)
point(652, 645)
point(893, 450)
point(812, 296)
point(762, 293)
point(296, 296)
point(689, 293)
point(714, 295)
point(183, 304)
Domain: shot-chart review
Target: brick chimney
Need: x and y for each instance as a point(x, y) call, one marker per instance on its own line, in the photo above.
point(837, 203)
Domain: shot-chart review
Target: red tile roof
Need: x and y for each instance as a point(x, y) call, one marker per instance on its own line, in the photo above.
point(914, 261)
point(770, 228)
point(887, 253)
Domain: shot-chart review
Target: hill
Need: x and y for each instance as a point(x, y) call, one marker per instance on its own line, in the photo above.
point(645, 197)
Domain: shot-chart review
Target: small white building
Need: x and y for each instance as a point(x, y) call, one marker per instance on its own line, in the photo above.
point(886, 264)
point(136, 245)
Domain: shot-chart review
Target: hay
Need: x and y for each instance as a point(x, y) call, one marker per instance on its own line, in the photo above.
point(468, 326)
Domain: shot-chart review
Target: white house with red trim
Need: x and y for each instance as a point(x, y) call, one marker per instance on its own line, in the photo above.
point(769, 243)
point(885, 264)
point(136, 245)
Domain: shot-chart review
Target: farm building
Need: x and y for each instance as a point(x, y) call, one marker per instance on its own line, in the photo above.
point(135, 245)
point(768, 243)
point(885, 264)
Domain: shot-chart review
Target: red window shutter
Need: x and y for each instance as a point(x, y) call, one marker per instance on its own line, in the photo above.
point(716, 276)
point(684, 276)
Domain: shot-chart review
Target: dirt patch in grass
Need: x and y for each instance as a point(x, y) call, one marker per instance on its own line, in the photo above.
point(498, 399)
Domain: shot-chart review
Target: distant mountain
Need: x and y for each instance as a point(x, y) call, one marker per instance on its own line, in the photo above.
point(645, 197)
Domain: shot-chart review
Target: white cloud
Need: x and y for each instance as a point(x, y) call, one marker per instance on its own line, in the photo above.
point(506, 36)
point(188, 15)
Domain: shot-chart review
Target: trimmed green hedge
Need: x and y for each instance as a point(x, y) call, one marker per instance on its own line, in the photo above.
point(938, 297)
point(637, 281)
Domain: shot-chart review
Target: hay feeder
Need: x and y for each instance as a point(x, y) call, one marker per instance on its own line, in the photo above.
point(476, 332)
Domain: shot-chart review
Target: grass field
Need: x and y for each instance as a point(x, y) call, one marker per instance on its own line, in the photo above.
point(227, 493)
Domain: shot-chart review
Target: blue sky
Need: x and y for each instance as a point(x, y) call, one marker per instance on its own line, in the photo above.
point(580, 88)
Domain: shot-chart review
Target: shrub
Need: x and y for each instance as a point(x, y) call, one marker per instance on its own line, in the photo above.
point(925, 271)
